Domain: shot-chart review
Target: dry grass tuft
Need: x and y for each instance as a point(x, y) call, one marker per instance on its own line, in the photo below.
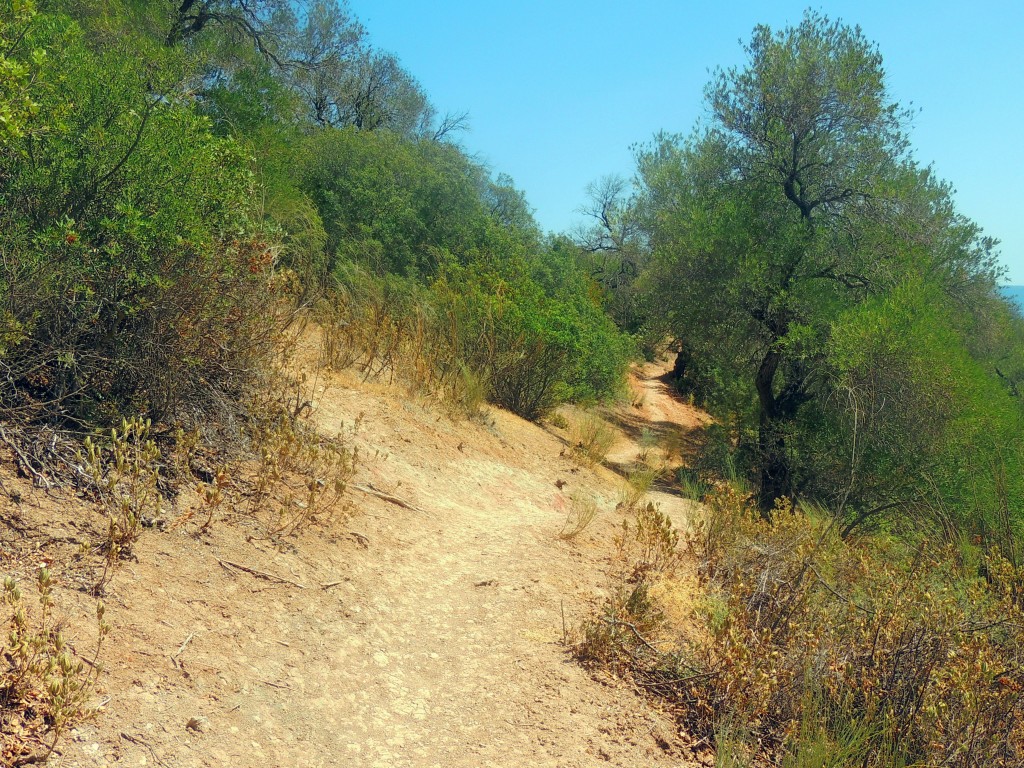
point(639, 481)
point(591, 438)
point(582, 511)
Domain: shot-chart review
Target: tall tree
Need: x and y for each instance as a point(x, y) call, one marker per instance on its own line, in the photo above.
point(799, 200)
point(249, 18)
point(614, 249)
point(322, 51)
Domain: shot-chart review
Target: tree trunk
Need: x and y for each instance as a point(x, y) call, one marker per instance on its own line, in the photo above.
point(776, 476)
point(683, 359)
point(777, 412)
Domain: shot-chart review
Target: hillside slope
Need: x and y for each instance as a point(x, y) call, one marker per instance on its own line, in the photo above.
point(428, 634)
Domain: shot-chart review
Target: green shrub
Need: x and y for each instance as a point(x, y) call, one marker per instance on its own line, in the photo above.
point(517, 344)
point(133, 278)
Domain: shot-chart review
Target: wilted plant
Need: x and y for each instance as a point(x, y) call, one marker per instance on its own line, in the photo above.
point(673, 443)
point(657, 540)
point(468, 394)
point(125, 477)
point(648, 442)
point(45, 686)
point(186, 446)
point(557, 420)
point(211, 496)
point(877, 652)
point(298, 475)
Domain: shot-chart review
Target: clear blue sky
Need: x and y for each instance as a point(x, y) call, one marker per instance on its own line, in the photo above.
point(557, 92)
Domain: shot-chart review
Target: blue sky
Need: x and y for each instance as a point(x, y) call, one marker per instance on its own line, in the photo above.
point(557, 92)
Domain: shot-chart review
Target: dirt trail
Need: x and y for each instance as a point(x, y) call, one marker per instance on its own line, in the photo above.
point(656, 413)
point(437, 640)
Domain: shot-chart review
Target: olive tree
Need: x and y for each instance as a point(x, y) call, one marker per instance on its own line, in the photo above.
point(797, 201)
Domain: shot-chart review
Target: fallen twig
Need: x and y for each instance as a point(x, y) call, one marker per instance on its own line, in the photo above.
point(38, 755)
point(390, 497)
point(181, 649)
point(37, 477)
point(836, 594)
point(142, 743)
point(643, 640)
point(227, 564)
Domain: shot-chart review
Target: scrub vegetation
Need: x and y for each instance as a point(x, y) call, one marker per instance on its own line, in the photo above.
point(186, 186)
point(859, 548)
point(182, 187)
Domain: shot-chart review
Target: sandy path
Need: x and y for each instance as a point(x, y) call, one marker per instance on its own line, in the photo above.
point(657, 410)
point(439, 644)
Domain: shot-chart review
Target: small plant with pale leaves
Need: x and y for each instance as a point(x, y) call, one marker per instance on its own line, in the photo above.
point(45, 686)
point(300, 476)
point(125, 476)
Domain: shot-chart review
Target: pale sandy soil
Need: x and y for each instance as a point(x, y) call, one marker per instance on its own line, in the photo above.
point(657, 414)
point(405, 638)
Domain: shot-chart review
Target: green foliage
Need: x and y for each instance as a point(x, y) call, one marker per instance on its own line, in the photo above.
point(169, 186)
point(447, 266)
point(538, 349)
point(16, 104)
point(784, 237)
point(134, 276)
point(916, 423)
point(393, 205)
point(521, 343)
point(613, 249)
